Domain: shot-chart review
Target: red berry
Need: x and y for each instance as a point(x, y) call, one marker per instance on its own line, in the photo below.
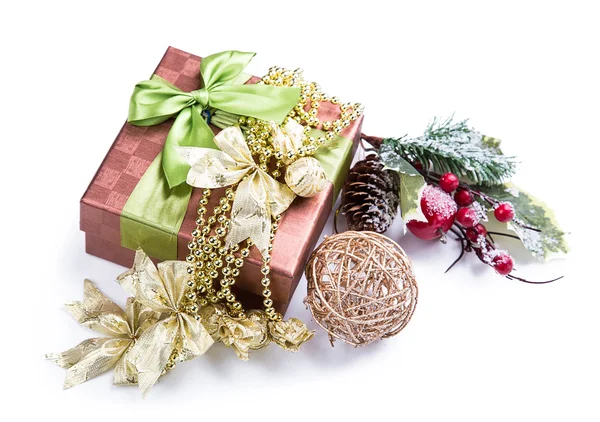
point(449, 182)
point(463, 198)
point(473, 233)
point(417, 165)
point(439, 209)
point(504, 212)
point(502, 263)
point(467, 217)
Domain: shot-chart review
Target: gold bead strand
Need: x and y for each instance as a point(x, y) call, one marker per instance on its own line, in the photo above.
point(230, 272)
point(312, 96)
point(227, 281)
point(171, 362)
point(212, 258)
point(276, 173)
point(204, 261)
point(194, 258)
point(265, 269)
point(234, 305)
point(226, 254)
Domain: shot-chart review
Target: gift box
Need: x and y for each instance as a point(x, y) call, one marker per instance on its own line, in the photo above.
point(131, 156)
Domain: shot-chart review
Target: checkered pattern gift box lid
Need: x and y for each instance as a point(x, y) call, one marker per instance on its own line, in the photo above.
point(130, 156)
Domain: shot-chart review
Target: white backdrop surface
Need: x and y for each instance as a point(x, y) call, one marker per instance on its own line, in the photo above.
point(479, 347)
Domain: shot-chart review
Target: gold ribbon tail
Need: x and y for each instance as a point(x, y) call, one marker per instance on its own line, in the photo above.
point(125, 373)
point(152, 351)
point(250, 214)
point(195, 339)
point(280, 196)
point(89, 359)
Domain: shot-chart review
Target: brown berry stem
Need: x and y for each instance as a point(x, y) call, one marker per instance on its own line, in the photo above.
point(535, 229)
point(335, 217)
point(505, 235)
point(512, 277)
point(468, 246)
point(375, 141)
point(462, 249)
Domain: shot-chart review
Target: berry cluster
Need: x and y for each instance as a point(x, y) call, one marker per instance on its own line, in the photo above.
point(463, 216)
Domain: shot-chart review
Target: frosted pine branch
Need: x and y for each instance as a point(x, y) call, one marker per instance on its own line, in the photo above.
point(455, 147)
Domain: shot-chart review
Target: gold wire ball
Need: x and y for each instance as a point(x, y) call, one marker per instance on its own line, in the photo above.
point(361, 287)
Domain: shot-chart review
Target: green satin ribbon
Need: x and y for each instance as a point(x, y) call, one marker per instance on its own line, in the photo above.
point(156, 100)
point(153, 214)
point(335, 160)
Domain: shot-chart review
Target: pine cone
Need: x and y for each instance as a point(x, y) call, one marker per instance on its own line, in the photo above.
point(370, 196)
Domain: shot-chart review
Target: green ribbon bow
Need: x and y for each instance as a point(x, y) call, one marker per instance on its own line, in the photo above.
point(156, 100)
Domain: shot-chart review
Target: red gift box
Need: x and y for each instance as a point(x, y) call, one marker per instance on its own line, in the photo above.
point(136, 147)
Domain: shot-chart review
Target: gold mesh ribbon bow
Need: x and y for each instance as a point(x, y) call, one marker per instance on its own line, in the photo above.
point(94, 356)
point(163, 290)
point(258, 196)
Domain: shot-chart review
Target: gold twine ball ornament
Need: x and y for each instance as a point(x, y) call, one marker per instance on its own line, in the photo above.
point(361, 287)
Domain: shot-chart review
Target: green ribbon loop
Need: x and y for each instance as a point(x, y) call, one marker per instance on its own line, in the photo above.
point(156, 100)
point(335, 160)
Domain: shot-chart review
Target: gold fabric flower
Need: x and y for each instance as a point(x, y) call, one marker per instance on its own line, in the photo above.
point(163, 290)
point(242, 335)
point(239, 334)
point(290, 334)
point(94, 356)
point(261, 319)
point(210, 317)
point(258, 196)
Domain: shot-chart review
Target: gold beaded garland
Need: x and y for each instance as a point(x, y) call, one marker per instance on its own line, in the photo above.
point(208, 258)
point(311, 97)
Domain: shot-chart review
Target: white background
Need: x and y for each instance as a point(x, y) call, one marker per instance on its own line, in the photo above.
point(479, 347)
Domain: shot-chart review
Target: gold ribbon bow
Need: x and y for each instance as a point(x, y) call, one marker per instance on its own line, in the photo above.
point(162, 289)
point(258, 196)
point(94, 356)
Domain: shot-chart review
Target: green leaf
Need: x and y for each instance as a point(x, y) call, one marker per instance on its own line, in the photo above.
point(534, 222)
point(412, 184)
